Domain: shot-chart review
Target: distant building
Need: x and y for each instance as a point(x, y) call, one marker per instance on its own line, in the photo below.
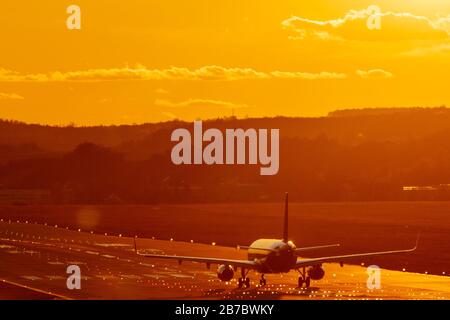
point(419, 188)
point(24, 196)
point(431, 192)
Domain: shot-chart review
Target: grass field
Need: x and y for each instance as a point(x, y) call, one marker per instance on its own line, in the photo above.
point(358, 227)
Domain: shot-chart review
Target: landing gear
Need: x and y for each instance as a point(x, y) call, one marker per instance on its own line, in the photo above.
point(244, 280)
point(262, 281)
point(303, 279)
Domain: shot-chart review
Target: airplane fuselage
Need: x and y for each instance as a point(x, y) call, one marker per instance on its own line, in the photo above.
point(274, 255)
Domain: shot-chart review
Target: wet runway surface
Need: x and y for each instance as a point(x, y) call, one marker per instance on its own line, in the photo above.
point(34, 260)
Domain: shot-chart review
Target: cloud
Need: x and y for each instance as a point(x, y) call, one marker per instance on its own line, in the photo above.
point(354, 26)
point(206, 73)
point(307, 75)
point(169, 115)
point(198, 103)
point(434, 50)
point(161, 91)
point(374, 74)
point(10, 96)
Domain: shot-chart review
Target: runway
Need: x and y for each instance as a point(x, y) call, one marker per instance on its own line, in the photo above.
point(34, 259)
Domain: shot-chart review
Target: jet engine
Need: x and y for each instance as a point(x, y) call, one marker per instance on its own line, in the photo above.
point(225, 273)
point(316, 272)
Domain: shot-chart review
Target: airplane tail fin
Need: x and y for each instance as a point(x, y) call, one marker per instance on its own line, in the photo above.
point(286, 222)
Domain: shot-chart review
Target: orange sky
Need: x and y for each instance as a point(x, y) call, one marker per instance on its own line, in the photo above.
point(144, 60)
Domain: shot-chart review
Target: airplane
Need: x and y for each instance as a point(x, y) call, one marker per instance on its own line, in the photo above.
point(267, 256)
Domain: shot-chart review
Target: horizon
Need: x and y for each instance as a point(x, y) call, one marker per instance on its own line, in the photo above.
point(331, 114)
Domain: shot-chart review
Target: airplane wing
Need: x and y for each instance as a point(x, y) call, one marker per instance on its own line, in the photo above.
point(341, 259)
point(236, 263)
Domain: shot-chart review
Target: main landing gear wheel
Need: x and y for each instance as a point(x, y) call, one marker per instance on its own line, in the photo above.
point(300, 282)
point(307, 282)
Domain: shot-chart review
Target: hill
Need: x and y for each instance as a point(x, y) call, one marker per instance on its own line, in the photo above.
point(349, 155)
